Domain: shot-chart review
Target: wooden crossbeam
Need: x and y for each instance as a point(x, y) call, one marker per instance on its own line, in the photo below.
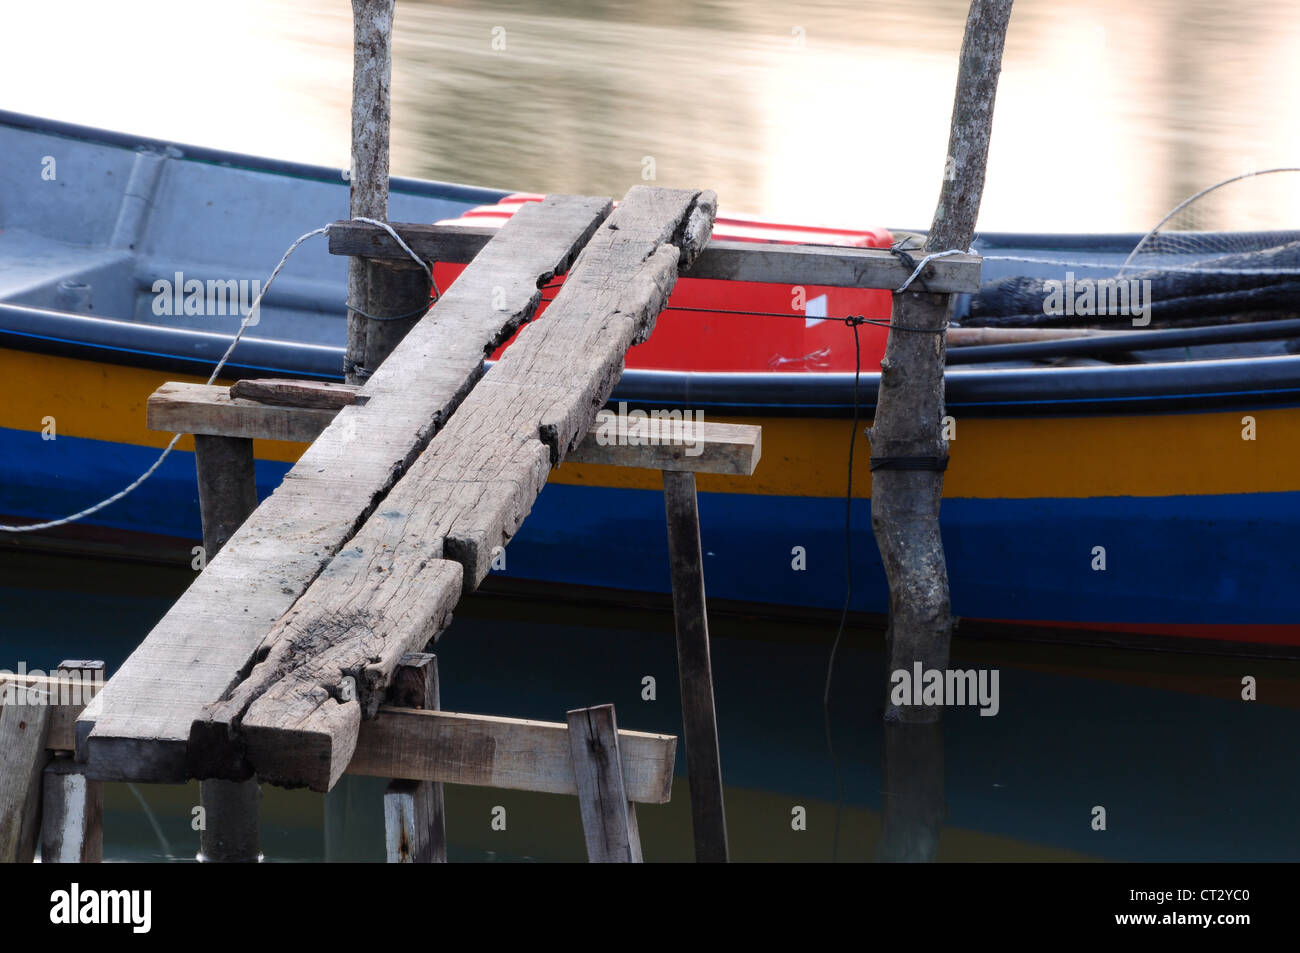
point(138, 728)
point(834, 265)
point(218, 411)
point(324, 666)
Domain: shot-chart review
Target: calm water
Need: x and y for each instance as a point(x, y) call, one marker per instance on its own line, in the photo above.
point(1183, 767)
point(1109, 111)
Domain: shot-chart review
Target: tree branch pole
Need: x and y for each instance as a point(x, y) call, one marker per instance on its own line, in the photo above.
point(910, 406)
point(375, 287)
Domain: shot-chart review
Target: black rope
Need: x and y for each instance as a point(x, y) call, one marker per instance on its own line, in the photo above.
point(415, 312)
point(909, 463)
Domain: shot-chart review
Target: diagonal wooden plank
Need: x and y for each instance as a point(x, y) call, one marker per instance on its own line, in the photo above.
point(138, 727)
point(293, 720)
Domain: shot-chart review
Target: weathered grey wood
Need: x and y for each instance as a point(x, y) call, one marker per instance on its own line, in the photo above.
point(391, 590)
point(510, 753)
point(695, 669)
point(199, 650)
point(65, 694)
point(227, 497)
point(414, 822)
point(608, 817)
point(836, 266)
point(294, 393)
point(72, 818)
point(24, 725)
point(706, 447)
point(910, 402)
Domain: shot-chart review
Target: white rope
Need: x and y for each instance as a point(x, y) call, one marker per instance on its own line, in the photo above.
point(243, 326)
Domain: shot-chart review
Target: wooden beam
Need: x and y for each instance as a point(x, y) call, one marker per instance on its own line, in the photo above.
point(324, 667)
point(834, 265)
point(139, 727)
point(694, 669)
point(24, 727)
point(202, 409)
point(415, 828)
point(608, 817)
point(66, 694)
point(72, 819)
point(511, 753)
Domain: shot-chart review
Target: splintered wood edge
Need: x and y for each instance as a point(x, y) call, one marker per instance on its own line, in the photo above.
point(670, 442)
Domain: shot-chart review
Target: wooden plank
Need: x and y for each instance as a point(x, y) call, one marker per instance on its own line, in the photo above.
point(138, 728)
point(656, 443)
point(24, 725)
point(415, 829)
point(694, 669)
point(65, 694)
point(510, 753)
point(834, 265)
point(608, 817)
point(391, 590)
point(72, 818)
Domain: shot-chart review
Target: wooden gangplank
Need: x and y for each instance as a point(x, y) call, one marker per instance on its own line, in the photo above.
point(288, 704)
point(138, 728)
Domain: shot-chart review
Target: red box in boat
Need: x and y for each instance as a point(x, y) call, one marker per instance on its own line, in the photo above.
point(725, 338)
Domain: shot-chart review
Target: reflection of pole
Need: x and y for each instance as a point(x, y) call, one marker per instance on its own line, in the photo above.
point(912, 804)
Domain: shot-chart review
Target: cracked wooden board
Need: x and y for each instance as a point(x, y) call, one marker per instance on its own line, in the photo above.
point(138, 727)
point(290, 722)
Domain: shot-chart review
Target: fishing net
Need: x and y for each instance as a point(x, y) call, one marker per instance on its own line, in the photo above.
point(1186, 270)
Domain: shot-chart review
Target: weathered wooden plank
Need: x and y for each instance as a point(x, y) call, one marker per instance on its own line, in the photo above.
point(415, 830)
point(833, 265)
point(24, 725)
point(608, 817)
point(660, 441)
point(511, 753)
point(65, 693)
point(138, 728)
point(72, 819)
point(294, 719)
point(694, 668)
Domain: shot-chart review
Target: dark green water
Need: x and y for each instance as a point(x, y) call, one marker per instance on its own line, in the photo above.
point(1185, 769)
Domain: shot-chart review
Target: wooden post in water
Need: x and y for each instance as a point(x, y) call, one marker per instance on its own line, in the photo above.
point(908, 451)
point(227, 495)
point(72, 815)
point(608, 817)
point(694, 668)
point(385, 298)
point(415, 827)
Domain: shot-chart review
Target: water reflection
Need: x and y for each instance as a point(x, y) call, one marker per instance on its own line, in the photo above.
point(1109, 112)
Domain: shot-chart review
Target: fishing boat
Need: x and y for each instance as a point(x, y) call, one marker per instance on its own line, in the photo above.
point(1138, 493)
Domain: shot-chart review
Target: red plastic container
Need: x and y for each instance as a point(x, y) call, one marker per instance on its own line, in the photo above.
point(728, 339)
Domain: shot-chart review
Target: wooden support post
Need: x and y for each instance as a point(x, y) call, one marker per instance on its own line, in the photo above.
point(699, 719)
point(908, 451)
point(392, 292)
point(912, 802)
point(24, 726)
point(608, 817)
point(72, 819)
point(415, 829)
point(227, 495)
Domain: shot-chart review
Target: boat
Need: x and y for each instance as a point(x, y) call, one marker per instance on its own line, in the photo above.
point(1149, 497)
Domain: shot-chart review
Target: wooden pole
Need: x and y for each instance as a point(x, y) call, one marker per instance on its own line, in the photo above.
point(227, 495)
point(415, 827)
point(24, 726)
point(694, 668)
point(377, 288)
point(72, 815)
point(912, 801)
point(907, 429)
point(608, 817)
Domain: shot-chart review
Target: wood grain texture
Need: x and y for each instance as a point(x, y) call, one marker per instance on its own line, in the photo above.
point(511, 753)
point(836, 266)
point(138, 729)
point(24, 725)
point(415, 828)
point(65, 697)
point(608, 818)
point(663, 444)
point(391, 590)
